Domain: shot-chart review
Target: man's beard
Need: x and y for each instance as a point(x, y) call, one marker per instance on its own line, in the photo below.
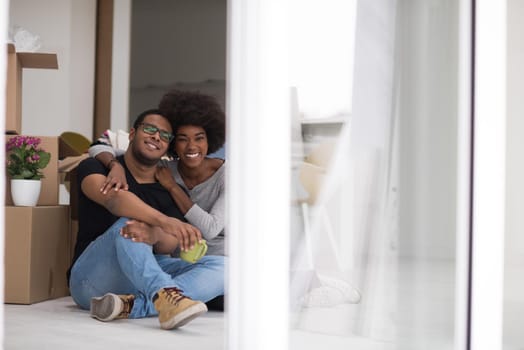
point(141, 158)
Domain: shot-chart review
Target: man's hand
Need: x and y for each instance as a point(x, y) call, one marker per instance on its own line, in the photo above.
point(116, 179)
point(186, 234)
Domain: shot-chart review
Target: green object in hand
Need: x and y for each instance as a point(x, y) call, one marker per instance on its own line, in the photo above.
point(193, 255)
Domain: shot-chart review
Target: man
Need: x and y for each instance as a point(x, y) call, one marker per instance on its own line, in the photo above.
point(122, 267)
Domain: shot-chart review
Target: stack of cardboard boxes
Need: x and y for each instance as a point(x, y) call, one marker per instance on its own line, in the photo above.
point(37, 239)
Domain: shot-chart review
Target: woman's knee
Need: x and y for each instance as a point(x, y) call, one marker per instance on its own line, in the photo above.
point(215, 262)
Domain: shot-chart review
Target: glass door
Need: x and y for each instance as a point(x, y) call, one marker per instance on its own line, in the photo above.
point(378, 179)
point(369, 109)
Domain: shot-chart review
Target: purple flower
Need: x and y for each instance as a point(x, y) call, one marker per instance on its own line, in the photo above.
point(25, 159)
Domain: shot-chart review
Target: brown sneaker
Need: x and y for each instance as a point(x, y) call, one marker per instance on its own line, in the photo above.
point(111, 306)
point(175, 309)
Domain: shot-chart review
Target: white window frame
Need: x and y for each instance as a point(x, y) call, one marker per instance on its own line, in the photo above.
point(4, 12)
point(258, 176)
point(489, 154)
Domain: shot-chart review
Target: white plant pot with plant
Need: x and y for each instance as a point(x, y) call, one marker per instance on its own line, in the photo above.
point(24, 166)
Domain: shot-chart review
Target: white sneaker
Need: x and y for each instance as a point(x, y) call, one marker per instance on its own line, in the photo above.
point(323, 296)
point(332, 291)
point(351, 294)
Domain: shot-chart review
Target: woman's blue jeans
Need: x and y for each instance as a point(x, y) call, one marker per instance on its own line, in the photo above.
point(114, 264)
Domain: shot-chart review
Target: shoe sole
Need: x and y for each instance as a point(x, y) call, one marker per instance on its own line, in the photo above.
point(105, 308)
point(184, 317)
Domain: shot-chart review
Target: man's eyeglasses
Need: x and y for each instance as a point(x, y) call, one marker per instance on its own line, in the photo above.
point(151, 130)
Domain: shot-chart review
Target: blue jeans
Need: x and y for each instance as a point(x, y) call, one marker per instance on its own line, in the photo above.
point(114, 264)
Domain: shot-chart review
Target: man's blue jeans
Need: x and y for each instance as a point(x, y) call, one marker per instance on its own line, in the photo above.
point(114, 264)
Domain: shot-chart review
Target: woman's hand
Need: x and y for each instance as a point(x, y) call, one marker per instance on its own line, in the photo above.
point(139, 231)
point(165, 177)
point(116, 179)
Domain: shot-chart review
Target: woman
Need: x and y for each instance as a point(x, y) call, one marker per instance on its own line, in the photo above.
point(194, 180)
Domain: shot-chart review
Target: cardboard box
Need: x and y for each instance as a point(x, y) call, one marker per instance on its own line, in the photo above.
point(16, 61)
point(68, 175)
point(50, 182)
point(37, 253)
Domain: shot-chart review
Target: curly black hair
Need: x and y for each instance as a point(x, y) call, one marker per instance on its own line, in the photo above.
point(194, 108)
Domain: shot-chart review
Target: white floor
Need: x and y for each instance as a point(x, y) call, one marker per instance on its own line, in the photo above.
point(60, 324)
point(420, 317)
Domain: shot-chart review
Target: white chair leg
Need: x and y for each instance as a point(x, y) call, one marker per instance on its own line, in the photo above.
point(331, 236)
point(307, 235)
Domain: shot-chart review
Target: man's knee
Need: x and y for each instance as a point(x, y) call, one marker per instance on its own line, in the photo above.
point(114, 230)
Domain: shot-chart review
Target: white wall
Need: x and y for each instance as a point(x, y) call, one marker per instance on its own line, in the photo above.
point(514, 237)
point(515, 135)
point(121, 65)
point(60, 100)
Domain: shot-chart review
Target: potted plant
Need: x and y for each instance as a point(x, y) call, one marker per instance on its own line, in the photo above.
point(25, 162)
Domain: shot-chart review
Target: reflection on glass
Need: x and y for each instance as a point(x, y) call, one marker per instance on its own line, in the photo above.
point(321, 55)
point(374, 191)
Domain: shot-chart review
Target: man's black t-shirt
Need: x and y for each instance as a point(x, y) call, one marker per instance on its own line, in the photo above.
point(94, 219)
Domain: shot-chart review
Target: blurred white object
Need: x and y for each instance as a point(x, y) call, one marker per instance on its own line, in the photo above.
point(24, 40)
point(119, 140)
point(332, 292)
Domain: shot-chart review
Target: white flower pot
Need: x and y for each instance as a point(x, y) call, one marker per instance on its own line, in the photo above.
point(25, 193)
